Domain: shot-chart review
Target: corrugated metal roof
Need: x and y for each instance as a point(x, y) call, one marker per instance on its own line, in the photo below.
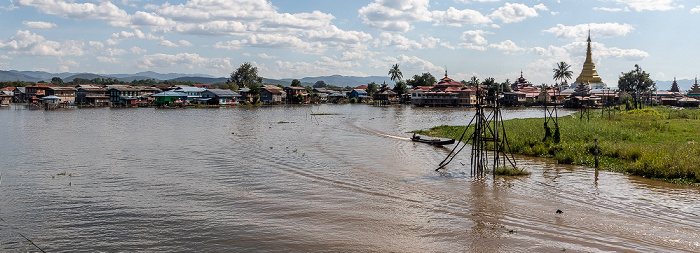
point(170, 93)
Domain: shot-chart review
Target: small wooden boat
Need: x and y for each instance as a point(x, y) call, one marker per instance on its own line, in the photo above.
point(435, 142)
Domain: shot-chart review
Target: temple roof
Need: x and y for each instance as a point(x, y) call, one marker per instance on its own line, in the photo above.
point(589, 74)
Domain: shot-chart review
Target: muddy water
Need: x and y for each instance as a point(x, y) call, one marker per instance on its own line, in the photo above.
point(279, 179)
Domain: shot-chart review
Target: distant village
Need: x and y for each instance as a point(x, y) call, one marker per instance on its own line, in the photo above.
point(445, 93)
point(588, 90)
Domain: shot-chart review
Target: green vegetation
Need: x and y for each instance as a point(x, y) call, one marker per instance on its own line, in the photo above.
point(657, 142)
point(510, 171)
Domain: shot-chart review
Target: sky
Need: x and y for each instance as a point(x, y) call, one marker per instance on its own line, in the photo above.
point(296, 39)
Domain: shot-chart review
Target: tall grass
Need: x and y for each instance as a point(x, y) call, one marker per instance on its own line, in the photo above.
point(658, 142)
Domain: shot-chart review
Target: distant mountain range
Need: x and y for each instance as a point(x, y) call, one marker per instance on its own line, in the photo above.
point(35, 76)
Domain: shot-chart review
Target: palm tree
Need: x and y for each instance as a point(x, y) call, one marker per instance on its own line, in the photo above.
point(562, 72)
point(474, 82)
point(395, 73)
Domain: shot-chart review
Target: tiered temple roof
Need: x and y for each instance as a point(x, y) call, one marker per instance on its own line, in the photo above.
point(589, 75)
point(674, 86)
point(520, 83)
point(695, 90)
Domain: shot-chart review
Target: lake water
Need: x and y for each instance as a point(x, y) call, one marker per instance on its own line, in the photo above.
point(279, 179)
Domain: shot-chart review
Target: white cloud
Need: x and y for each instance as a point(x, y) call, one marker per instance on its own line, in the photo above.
point(137, 50)
point(104, 11)
point(38, 24)
point(626, 9)
point(27, 43)
point(70, 62)
point(511, 13)
point(266, 56)
point(455, 17)
point(695, 10)
point(5, 57)
point(357, 55)
point(107, 59)
point(168, 43)
point(649, 5)
point(474, 40)
point(577, 32)
point(416, 64)
point(325, 66)
point(395, 15)
point(187, 60)
point(333, 33)
point(399, 15)
point(185, 43)
point(506, 45)
point(96, 44)
point(216, 17)
point(404, 44)
point(113, 51)
point(138, 34)
point(273, 41)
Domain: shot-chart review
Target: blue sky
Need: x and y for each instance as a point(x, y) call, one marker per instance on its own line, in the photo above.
point(294, 39)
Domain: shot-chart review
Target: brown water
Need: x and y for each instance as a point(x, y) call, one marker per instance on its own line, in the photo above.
point(278, 179)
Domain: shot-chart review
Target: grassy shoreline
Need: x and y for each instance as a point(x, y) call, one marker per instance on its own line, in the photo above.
point(658, 142)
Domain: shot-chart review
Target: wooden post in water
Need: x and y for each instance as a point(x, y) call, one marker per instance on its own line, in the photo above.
point(596, 153)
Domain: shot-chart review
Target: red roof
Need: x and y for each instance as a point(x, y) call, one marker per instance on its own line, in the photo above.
point(361, 87)
point(8, 88)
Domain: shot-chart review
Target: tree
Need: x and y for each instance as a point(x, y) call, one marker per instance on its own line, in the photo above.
point(395, 73)
point(473, 82)
point(426, 79)
point(246, 76)
point(371, 88)
point(401, 88)
point(562, 72)
point(57, 81)
point(78, 81)
point(636, 82)
point(505, 86)
point(490, 84)
point(320, 84)
point(296, 83)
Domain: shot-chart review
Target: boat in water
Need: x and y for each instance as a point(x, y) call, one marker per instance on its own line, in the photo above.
point(434, 142)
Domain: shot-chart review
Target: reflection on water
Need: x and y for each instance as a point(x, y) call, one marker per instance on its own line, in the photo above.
point(281, 179)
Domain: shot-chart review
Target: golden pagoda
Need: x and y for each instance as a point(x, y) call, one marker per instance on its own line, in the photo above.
point(589, 74)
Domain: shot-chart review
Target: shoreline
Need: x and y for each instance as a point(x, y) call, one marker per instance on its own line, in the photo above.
point(657, 143)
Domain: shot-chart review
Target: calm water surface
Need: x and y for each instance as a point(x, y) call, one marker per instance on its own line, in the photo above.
point(279, 179)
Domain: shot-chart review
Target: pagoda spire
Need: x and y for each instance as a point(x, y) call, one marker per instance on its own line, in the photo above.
point(589, 74)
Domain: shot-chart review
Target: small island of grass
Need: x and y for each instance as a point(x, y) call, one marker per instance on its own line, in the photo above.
point(657, 142)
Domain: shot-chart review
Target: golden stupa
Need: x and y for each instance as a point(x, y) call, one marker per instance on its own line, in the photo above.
point(589, 74)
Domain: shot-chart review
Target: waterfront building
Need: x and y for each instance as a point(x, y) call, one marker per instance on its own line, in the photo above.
point(38, 90)
point(91, 95)
point(221, 96)
point(20, 94)
point(169, 97)
point(589, 75)
point(5, 97)
point(66, 94)
point(193, 93)
point(296, 94)
point(125, 95)
point(446, 92)
point(359, 94)
point(270, 94)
